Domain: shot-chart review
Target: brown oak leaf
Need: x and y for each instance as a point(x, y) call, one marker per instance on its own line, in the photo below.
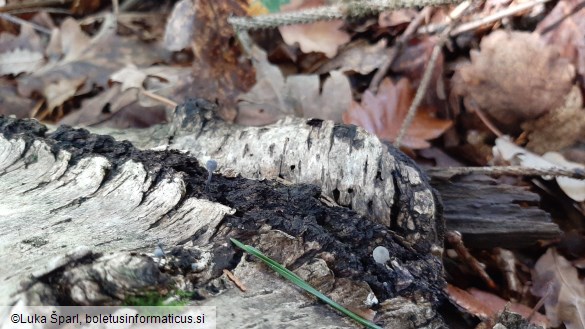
point(382, 114)
point(324, 37)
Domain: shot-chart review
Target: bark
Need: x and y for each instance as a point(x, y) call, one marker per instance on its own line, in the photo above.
point(490, 214)
point(277, 188)
point(69, 188)
point(357, 171)
point(351, 166)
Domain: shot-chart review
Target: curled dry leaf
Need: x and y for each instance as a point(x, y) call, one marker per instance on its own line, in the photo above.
point(324, 37)
point(574, 188)
point(507, 152)
point(516, 155)
point(515, 77)
point(382, 114)
point(274, 96)
point(557, 280)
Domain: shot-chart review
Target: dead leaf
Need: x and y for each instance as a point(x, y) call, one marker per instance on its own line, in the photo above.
point(396, 17)
point(97, 108)
point(76, 57)
point(505, 151)
point(166, 81)
point(487, 305)
point(11, 103)
point(115, 108)
point(274, 97)
point(515, 77)
point(358, 56)
point(60, 91)
point(573, 188)
point(413, 58)
point(558, 128)
point(323, 37)
point(130, 77)
point(20, 60)
point(554, 276)
point(564, 28)
point(329, 104)
point(411, 63)
point(467, 302)
point(498, 304)
point(440, 158)
point(516, 155)
point(27, 39)
point(22, 53)
point(384, 113)
point(179, 30)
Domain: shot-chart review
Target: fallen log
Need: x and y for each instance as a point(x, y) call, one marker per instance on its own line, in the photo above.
point(70, 188)
point(121, 199)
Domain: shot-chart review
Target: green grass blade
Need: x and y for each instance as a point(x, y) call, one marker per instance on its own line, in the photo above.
point(303, 284)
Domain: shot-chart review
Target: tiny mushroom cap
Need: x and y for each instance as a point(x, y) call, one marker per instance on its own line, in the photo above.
point(158, 251)
point(381, 255)
point(211, 165)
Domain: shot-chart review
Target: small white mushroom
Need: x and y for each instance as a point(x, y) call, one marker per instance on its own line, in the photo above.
point(381, 255)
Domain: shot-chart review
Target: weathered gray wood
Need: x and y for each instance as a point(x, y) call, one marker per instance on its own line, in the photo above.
point(70, 188)
point(350, 165)
point(490, 214)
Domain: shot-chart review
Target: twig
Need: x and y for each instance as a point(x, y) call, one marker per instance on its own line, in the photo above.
point(32, 4)
point(159, 98)
point(340, 11)
point(507, 170)
point(487, 121)
point(426, 79)
point(548, 292)
point(19, 21)
point(420, 92)
point(48, 10)
point(394, 51)
point(116, 7)
point(469, 26)
point(456, 241)
point(472, 25)
point(235, 280)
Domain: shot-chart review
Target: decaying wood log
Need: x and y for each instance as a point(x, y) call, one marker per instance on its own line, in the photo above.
point(354, 171)
point(490, 214)
point(350, 165)
point(68, 188)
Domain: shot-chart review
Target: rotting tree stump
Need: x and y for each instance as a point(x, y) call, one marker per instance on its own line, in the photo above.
point(69, 188)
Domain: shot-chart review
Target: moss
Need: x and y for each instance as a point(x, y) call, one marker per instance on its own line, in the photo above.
point(155, 298)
